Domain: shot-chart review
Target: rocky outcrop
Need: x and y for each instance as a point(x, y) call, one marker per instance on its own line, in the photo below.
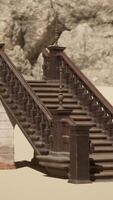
point(84, 27)
point(89, 43)
point(91, 48)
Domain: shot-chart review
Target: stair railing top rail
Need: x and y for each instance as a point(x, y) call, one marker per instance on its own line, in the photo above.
point(67, 63)
point(36, 99)
point(86, 82)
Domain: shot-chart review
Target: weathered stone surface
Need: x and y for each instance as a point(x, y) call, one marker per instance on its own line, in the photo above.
point(6, 141)
point(18, 57)
point(30, 25)
point(91, 49)
point(37, 71)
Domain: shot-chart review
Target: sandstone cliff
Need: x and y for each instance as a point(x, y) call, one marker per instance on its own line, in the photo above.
point(85, 27)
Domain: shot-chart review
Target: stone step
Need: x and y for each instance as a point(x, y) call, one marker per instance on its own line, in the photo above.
point(43, 151)
point(22, 118)
point(81, 118)
point(33, 82)
point(105, 149)
point(52, 95)
point(35, 137)
point(25, 124)
point(18, 112)
point(102, 157)
point(98, 136)
point(55, 106)
point(104, 175)
point(5, 95)
point(9, 101)
point(1, 83)
point(2, 89)
point(31, 131)
point(44, 84)
point(103, 142)
point(106, 165)
point(78, 112)
point(48, 89)
point(95, 130)
point(56, 100)
point(39, 144)
point(14, 107)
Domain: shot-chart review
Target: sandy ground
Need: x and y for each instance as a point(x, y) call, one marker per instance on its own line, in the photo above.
point(28, 184)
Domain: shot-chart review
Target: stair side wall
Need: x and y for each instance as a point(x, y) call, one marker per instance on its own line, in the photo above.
point(6, 141)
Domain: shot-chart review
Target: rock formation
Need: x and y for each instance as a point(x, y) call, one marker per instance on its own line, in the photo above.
point(85, 27)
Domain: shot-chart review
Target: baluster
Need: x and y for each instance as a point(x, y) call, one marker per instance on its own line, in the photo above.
point(15, 91)
point(81, 92)
point(85, 97)
point(7, 76)
point(105, 119)
point(66, 77)
point(43, 127)
point(3, 73)
point(33, 112)
point(28, 105)
point(45, 67)
point(71, 80)
point(77, 85)
point(35, 115)
point(38, 122)
point(21, 94)
point(110, 127)
point(60, 95)
point(93, 105)
point(99, 114)
point(47, 133)
point(11, 84)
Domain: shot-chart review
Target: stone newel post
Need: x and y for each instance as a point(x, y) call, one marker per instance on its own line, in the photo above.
point(79, 154)
point(51, 67)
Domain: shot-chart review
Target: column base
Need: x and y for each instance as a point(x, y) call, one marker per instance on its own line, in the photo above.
point(79, 181)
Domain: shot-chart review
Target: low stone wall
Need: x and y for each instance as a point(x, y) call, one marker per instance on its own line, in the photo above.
point(6, 141)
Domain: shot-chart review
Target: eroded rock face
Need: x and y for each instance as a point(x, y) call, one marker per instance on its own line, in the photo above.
point(91, 48)
point(90, 41)
point(30, 25)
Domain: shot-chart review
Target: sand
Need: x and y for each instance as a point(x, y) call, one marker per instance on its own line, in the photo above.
point(28, 184)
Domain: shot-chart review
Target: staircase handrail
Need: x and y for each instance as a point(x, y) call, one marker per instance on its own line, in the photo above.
point(87, 82)
point(36, 99)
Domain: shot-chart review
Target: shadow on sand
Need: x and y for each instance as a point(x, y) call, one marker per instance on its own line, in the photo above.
point(25, 163)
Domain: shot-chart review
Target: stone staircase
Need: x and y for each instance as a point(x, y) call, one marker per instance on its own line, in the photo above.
point(103, 147)
point(23, 106)
point(33, 106)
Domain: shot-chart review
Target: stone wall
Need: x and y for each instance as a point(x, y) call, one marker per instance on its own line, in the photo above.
point(6, 141)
